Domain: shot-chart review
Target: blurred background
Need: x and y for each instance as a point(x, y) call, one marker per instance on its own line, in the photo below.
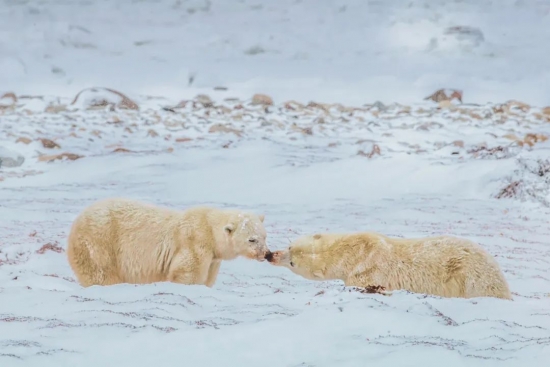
point(347, 51)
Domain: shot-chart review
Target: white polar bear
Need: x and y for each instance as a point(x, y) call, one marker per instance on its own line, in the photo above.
point(444, 266)
point(125, 241)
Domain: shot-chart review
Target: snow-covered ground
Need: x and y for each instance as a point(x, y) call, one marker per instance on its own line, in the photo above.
point(406, 169)
point(308, 169)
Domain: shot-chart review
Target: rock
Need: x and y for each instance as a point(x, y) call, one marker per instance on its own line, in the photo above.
point(467, 37)
point(500, 108)
point(8, 100)
point(205, 100)
point(181, 104)
point(254, 50)
point(458, 143)
point(122, 150)
point(50, 144)
point(24, 140)
point(532, 139)
point(262, 99)
point(379, 106)
point(375, 150)
point(524, 107)
point(445, 95)
point(183, 140)
point(446, 104)
point(293, 105)
point(231, 99)
point(152, 133)
point(322, 106)
point(529, 139)
point(405, 110)
point(512, 137)
point(56, 108)
point(50, 158)
point(92, 98)
point(304, 130)
point(546, 110)
point(344, 109)
point(476, 116)
point(10, 159)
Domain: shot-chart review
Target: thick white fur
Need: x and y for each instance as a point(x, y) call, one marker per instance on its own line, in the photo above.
point(444, 266)
point(126, 241)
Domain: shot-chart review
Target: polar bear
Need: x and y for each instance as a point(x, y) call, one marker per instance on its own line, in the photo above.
point(444, 266)
point(125, 241)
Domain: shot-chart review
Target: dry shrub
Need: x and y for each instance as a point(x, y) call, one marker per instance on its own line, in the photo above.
point(374, 151)
point(498, 152)
point(370, 289)
point(125, 103)
point(510, 191)
point(50, 247)
point(122, 150)
point(219, 128)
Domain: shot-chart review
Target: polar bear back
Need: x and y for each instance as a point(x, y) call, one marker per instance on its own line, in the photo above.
point(121, 240)
point(445, 265)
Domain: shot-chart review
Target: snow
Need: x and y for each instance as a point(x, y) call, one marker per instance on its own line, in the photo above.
point(350, 51)
point(407, 169)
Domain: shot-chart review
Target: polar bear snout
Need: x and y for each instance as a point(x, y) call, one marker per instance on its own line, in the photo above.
point(268, 256)
point(257, 250)
point(280, 258)
point(262, 253)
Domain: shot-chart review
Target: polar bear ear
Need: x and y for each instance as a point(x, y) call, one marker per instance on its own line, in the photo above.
point(229, 228)
point(316, 236)
point(262, 217)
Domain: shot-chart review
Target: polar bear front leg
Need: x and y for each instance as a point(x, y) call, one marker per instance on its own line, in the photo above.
point(182, 276)
point(188, 268)
point(213, 272)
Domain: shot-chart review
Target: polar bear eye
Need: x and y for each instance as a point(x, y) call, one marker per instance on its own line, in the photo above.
point(253, 240)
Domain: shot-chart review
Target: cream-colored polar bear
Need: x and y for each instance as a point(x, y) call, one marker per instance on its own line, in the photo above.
point(125, 241)
point(444, 266)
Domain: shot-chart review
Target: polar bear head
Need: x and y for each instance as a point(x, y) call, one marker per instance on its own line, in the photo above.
point(306, 256)
point(246, 236)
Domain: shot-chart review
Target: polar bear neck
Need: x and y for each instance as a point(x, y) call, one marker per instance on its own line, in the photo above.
point(355, 254)
point(330, 263)
point(222, 247)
